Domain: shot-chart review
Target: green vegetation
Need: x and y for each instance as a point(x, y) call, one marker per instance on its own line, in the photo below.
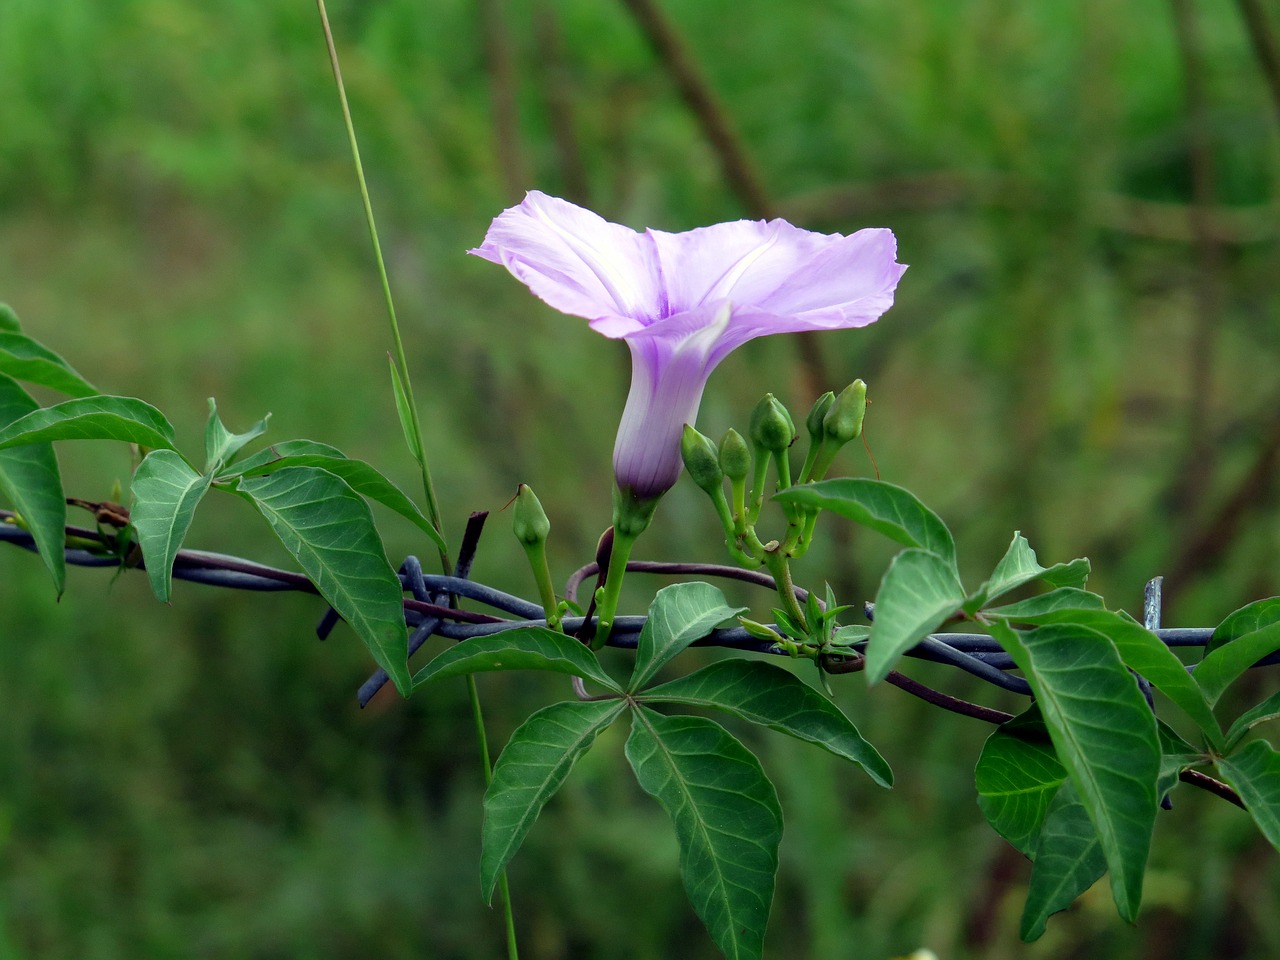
point(1075, 353)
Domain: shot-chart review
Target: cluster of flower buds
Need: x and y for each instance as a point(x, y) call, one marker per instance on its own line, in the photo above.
point(832, 422)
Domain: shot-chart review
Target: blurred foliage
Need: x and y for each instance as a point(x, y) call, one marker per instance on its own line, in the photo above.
point(179, 218)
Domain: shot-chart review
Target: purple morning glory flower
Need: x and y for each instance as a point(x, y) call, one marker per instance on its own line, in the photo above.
point(684, 301)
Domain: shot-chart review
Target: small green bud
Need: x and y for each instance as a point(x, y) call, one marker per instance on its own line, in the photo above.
point(529, 521)
point(735, 456)
point(701, 459)
point(759, 630)
point(843, 422)
point(771, 426)
point(814, 421)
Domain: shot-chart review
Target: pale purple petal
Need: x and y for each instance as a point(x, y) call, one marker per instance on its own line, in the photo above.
point(577, 262)
point(847, 282)
point(711, 263)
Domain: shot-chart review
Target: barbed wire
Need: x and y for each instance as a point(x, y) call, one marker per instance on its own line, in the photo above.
point(431, 609)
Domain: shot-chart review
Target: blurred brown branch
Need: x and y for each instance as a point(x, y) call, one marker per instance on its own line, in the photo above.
point(500, 66)
point(1265, 46)
point(682, 66)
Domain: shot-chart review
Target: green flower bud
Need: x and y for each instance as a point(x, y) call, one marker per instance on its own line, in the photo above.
point(814, 421)
point(843, 422)
point(529, 521)
point(701, 459)
point(735, 456)
point(771, 426)
point(817, 433)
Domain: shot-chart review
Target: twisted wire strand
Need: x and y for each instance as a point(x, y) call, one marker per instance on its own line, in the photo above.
point(431, 610)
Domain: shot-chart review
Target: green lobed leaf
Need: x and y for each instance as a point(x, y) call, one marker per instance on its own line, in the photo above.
point(1224, 666)
point(1104, 734)
point(1020, 566)
point(31, 483)
point(851, 635)
point(1068, 857)
point(92, 418)
point(520, 648)
point(250, 465)
point(679, 615)
point(1248, 619)
point(1176, 755)
point(883, 507)
point(1140, 649)
point(220, 444)
point(775, 698)
point(1254, 771)
point(1017, 776)
point(535, 762)
point(166, 492)
point(361, 477)
point(1268, 709)
point(1032, 608)
point(329, 530)
point(9, 319)
point(919, 592)
point(727, 821)
point(24, 359)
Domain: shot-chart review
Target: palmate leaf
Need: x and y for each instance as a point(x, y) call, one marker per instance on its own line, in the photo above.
point(1268, 709)
point(1104, 734)
point(166, 492)
point(92, 418)
point(679, 615)
point(1068, 861)
point(534, 764)
point(727, 821)
point(30, 482)
point(329, 530)
point(1139, 648)
point(249, 466)
point(24, 359)
point(363, 478)
point(775, 698)
point(1219, 669)
point(1017, 776)
point(883, 507)
point(220, 444)
point(1248, 619)
point(1032, 609)
point(919, 592)
point(1255, 773)
point(1019, 566)
point(521, 648)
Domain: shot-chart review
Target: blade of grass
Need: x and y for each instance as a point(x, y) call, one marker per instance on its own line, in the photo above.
point(405, 404)
point(417, 447)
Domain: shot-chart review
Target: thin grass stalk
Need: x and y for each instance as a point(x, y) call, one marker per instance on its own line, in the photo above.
point(402, 363)
point(415, 427)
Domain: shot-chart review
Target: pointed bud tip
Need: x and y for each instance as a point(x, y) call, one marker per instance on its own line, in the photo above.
point(843, 421)
point(771, 425)
point(735, 456)
point(529, 520)
point(701, 459)
point(813, 423)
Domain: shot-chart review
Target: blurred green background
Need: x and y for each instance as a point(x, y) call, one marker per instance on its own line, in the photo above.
point(1085, 348)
